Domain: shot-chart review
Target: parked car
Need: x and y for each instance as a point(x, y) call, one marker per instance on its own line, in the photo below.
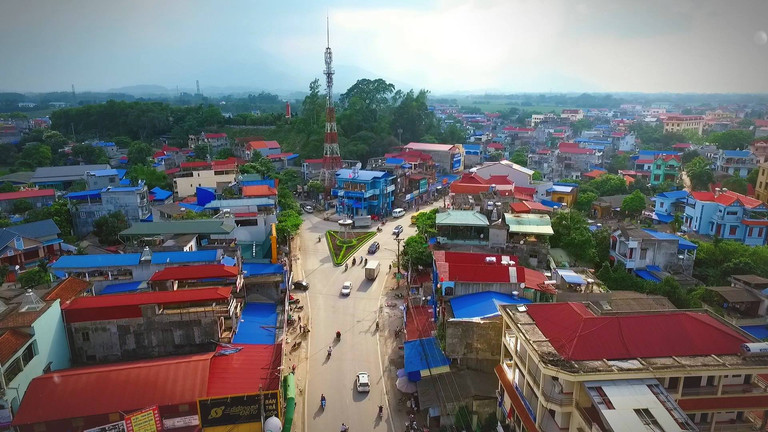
point(346, 289)
point(363, 382)
point(373, 248)
point(398, 212)
point(301, 285)
point(397, 230)
point(309, 209)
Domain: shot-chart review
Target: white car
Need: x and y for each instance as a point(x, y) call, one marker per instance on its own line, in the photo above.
point(363, 383)
point(346, 289)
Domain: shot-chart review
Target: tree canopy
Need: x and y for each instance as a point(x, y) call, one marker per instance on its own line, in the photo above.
point(634, 204)
point(699, 172)
point(571, 232)
point(107, 227)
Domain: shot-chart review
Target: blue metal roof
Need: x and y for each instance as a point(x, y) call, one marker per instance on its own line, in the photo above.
point(105, 172)
point(477, 147)
point(195, 208)
point(571, 277)
point(84, 195)
point(483, 304)
point(257, 269)
point(124, 287)
point(758, 331)
point(121, 172)
point(185, 257)
point(552, 204)
point(228, 261)
point(664, 218)
point(681, 194)
point(96, 261)
point(423, 355)
point(682, 243)
point(104, 144)
point(363, 175)
point(265, 182)
point(125, 182)
point(644, 274)
point(737, 153)
point(291, 156)
point(257, 324)
point(160, 194)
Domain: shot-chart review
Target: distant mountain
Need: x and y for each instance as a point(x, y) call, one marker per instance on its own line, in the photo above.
point(143, 90)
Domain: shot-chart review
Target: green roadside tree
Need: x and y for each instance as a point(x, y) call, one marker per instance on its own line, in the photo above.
point(634, 204)
point(21, 206)
point(288, 224)
point(152, 177)
point(107, 227)
point(33, 277)
point(426, 224)
point(415, 253)
point(571, 232)
point(609, 184)
point(752, 177)
point(732, 140)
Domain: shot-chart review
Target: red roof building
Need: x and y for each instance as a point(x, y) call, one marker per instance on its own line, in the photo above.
point(194, 164)
point(419, 323)
point(259, 191)
point(204, 271)
point(577, 334)
point(68, 289)
point(27, 194)
point(215, 135)
point(11, 342)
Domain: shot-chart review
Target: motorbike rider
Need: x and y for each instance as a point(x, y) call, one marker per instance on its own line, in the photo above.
point(354, 261)
point(322, 398)
point(329, 350)
point(381, 410)
point(344, 428)
point(346, 266)
point(338, 334)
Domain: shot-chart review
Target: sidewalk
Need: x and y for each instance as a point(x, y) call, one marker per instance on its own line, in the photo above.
point(298, 356)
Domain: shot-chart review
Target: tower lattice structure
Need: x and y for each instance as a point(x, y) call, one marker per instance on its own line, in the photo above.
point(331, 154)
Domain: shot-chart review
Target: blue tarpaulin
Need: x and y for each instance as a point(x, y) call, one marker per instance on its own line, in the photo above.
point(84, 195)
point(94, 261)
point(571, 277)
point(424, 357)
point(484, 304)
point(228, 261)
point(758, 331)
point(257, 325)
point(683, 244)
point(125, 287)
point(179, 257)
point(257, 269)
point(552, 204)
point(160, 194)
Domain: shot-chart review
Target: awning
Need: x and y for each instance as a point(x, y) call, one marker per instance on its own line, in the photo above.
point(571, 277)
point(664, 218)
point(423, 357)
point(645, 274)
point(124, 287)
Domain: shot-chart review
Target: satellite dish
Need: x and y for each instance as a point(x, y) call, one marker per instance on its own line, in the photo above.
point(522, 285)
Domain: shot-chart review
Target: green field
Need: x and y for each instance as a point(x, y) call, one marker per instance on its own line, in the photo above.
point(498, 105)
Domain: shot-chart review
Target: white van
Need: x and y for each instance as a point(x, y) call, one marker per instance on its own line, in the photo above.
point(398, 212)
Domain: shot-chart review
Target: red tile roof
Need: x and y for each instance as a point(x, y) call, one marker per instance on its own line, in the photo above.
point(496, 273)
point(167, 148)
point(121, 306)
point(467, 257)
point(703, 196)
point(667, 157)
point(29, 193)
point(231, 161)
point(728, 198)
point(246, 214)
point(259, 191)
point(419, 323)
point(595, 173)
point(255, 145)
point(497, 146)
point(166, 381)
point(519, 207)
point(525, 193)
point(158, 154)
point(215, 135)
point(761, 123)
point(244, 371)
point(11, 342)
point(543, 151)
point(19, 319)
point(203, 271)
point(577, 334)
point(68, 289)
point(172, 171)
point(465, 188)
point(195, 164)
point(629, 179)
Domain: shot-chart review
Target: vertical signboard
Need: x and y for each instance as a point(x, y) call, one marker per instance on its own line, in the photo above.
point(146, 420)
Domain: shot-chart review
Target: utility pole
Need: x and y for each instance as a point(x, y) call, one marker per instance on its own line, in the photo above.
point(398, 240)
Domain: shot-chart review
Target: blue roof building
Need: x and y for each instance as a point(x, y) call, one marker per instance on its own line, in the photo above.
point(736, 162)
point(87, 206)
point(669, 203)
point(364, 193)
point(646, 249)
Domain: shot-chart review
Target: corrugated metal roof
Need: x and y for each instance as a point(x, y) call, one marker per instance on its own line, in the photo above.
point(529, 223)
point(95, 261)
point(484, 304)
point(29, 193)
point(205, 271)
point(204, 227)
point(243, 202)
point(461, 218)
point(244, 371)
point(179, 257)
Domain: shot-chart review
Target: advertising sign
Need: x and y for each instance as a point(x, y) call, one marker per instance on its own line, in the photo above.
point(456, 162)
point(112, 427)
point(146, 420)
point(179, 422)
point(423, 185)
point(231, 410)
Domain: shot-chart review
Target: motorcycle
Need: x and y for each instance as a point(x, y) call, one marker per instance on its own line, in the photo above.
point(338, 335)
point(295, 345)
point(329, 352)
point(322, 402)
point(381, 411)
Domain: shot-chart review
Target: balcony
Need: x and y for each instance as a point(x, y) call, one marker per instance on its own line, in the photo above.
point(740, 389)
point(510, 340)
point(728, 426)
point(548, 424)
point(558, 398)
point(700, 391)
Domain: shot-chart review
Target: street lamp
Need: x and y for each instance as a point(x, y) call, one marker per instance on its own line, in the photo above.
point(400, 135)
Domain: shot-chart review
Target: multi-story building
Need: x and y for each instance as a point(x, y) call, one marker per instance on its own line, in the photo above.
point(364, 193)
point(150, 324)
point(665, 169)
point(193, 175)
point(572, 367)
point(449, 157)
point(761, 187)
point(87, 206)
point(668, 204)
point(542, 161)
point(572, 114)
point(252, 217)
point(37, 197)
point(100, 179)
point(215, 141)
point(414, 176)
point(736, 162)
point(760, 149)
point(62, 177)
point(33, 341)
point(109, 148)
point(571, 160)
point(24, 246)
point(680, 123)
point(247, 150)
point(728, 215)
point(652, 251)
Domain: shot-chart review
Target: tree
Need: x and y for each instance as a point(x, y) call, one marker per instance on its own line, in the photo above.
point(107, 227)
point(602, 238)
point(609, 184)
point(584, 201)
point(9, 187)
point(313, 107)
point(732, 140)
point(699, 172)
point(453, 134)
point(689, 155)
point(122, 142)
point(736, 184)
point(58, 212)
point(752, 177)
point(139, 152)
point(571, 232)
point(316, 187)
point(4, 270)
point(520, 157)
point(634, 204)
point(89, 154)
point(35, 155)
point(581, 125)
point(21, 206)
point(426, 224)
point(537, 175)
point(152, 177)
point(288, 224)
point(677, 223)
point(32, 278)
point(224, 153)
point(415, 253)
point(618, 162)
point(263, 167)
point(495, 156)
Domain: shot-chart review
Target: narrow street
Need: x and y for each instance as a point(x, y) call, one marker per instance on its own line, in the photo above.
point(361, 347)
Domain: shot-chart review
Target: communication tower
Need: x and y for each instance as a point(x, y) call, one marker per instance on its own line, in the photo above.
point(331, 155)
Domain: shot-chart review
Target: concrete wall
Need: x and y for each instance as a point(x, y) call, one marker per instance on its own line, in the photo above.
point(37, 202)
point(187, 186)
point(474, 344)
point(151, 336)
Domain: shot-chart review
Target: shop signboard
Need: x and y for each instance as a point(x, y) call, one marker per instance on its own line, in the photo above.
point(112, 427)
point(238, 409)
point(146, 420)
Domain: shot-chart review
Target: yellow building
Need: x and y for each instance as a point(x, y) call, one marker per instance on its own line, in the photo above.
point(576, 367)
point(563, 193)
point(682, 123)
point(185, 183)
point(761, 188)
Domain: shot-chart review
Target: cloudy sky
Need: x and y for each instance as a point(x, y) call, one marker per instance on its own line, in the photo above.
point(442, 45)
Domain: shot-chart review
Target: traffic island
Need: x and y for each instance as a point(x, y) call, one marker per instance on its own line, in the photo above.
point(344, 244)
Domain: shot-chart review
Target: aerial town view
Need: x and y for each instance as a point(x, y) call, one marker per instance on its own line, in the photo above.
point(437, 216)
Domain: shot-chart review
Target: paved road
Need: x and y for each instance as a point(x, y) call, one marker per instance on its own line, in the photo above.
point(355, 316)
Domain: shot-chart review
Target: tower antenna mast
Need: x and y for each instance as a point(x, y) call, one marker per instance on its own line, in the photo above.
point(331, 154)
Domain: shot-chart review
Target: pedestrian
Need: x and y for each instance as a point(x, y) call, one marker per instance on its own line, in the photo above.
point(299, 320)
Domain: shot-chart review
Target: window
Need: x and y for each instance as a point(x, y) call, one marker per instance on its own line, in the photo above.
point(749, 232)
point(12, 370)
point(85, 336)
point(661, 204)
point(732, 212)
point(732, 230)
point(29, 353)
point(648, 420)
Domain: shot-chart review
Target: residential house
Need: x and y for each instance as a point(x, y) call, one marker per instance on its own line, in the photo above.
point(624, 142)
point(194, 233)
point(543, 161)
point(109, 148)
point(363, 193)
point(728, 215)
point(180, 383)
point(264, 148)
point(572, 114)
point(539, 118)
point(520, 176)
point(214, 141)
point(571, 160)
point(252, 217)
point(668, 204)
point(462, 273)
point(24, 246)
point(736, 162)
point(607, 206)
point(100, 179)
point(107, 328)
point(311, 168)
point(563, 194)
point(473, 154)
point(761, 187)
point(33, 341)
point(473, 192)
point(37, 197)
point(282, 161)
point(414, 176)
point(760, 149)
point(193, 175)
point(62, 177)
point(680, 123)
point(87, 206)
point(665, 169)
point(653, 251)
point(449, 158)
point(643, 160)
point(572, 367)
